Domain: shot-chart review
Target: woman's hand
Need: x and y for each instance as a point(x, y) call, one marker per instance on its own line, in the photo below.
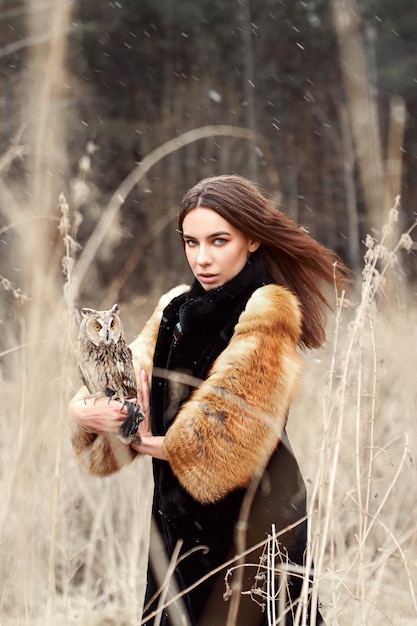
point(99, 415)
point(151, 445)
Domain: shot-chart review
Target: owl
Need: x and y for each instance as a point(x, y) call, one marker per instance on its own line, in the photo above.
point(105, 365)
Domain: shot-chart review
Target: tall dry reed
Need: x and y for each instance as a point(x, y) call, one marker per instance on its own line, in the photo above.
point(360, 462)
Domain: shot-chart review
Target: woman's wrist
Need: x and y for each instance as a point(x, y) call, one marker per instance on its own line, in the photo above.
point(151, 446)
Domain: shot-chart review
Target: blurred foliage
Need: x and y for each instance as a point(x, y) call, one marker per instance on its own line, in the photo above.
point(392, 31)
point(140, 74)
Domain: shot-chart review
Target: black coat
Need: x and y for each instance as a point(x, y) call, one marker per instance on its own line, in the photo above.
point(195, 329)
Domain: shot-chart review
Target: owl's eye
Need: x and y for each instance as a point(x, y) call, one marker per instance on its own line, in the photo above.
point(97, 326)
point(112, 325)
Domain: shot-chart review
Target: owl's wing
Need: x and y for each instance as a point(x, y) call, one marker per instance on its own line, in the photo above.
point(125, 373)
point(83, 378)
point(89, 374)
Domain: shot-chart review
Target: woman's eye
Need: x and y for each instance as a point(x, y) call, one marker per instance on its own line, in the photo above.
point(191, 243)
point(219, 241)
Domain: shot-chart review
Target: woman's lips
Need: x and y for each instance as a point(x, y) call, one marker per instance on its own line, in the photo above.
point(207, 278)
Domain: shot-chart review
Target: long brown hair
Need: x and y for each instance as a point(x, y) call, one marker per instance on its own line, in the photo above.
point(288, 254)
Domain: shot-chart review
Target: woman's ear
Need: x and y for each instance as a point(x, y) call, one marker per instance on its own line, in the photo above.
point(253, 245)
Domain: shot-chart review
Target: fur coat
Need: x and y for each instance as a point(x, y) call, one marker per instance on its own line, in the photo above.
point(225, 369)
point(230, 425)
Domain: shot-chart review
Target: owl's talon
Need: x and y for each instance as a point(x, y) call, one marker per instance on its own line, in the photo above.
point(128, 431)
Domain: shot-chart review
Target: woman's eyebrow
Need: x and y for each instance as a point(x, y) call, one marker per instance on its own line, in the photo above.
point(217, 234)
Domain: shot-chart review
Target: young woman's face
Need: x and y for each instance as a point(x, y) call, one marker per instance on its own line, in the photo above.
point(215, 250)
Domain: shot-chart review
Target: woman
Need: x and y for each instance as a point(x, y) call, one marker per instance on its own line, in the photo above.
point(224, 365)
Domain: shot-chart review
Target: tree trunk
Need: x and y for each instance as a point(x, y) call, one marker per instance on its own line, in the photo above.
point(361, 107)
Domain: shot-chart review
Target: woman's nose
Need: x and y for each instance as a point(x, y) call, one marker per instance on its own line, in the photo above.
point(203, 257)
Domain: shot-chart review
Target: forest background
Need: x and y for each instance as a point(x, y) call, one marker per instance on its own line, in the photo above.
point(109, 112)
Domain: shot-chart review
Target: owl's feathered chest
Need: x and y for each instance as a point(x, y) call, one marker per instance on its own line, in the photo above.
point(107, 367)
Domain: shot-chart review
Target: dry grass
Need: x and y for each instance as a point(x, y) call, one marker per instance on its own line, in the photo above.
point(363, 471)
point(357, 448)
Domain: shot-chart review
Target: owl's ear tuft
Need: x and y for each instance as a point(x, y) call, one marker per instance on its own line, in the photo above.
point(114, 308)
point(87, 311)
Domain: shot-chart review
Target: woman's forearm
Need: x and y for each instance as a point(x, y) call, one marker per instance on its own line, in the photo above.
point(152, 446)
point(98, 415)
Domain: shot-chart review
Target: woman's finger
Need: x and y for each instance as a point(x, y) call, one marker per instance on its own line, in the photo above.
point(145, 392)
